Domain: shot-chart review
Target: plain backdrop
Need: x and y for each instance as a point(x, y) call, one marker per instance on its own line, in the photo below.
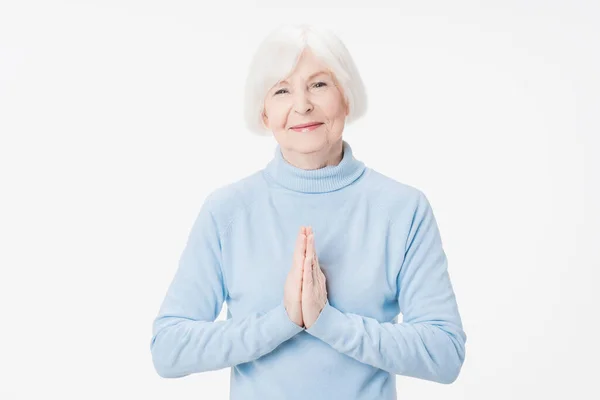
point(117, 118)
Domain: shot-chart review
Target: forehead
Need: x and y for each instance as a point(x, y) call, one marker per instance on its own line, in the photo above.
point(305, 75)
point(308, 66)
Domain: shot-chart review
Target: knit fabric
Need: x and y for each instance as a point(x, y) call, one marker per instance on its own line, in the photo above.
point(380, 250)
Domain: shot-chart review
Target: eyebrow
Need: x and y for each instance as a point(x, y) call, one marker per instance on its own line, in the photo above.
point(309, 78)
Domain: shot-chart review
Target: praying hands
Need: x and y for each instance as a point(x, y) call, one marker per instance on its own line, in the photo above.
point(305, 292)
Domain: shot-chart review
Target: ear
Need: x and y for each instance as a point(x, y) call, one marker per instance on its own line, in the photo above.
point(265, 119)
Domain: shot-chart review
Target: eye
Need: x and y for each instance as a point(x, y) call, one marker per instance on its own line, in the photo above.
point(317, 85)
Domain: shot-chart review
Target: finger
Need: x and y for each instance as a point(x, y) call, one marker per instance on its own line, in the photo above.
point(306, 274)
point(315, 271)
point(300, 249)
point(319, 269)
point(308, 261)
point(317, 284)
point(315, 263)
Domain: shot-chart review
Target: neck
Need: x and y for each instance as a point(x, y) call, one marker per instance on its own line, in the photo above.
point(335, 175)
point(331, 155)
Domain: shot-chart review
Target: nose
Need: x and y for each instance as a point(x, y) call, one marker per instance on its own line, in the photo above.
point(302, 103)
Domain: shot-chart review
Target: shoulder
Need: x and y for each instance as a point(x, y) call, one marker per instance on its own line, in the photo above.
point(227, 201)
point(391, 186)
point(407, 207)
point(399, 199)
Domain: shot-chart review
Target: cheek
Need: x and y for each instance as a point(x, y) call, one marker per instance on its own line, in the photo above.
point(333, 107)
point(278, 114)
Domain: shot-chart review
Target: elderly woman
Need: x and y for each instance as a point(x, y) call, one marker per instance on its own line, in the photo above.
point(315, 254)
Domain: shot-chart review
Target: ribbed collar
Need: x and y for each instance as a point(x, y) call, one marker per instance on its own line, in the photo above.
point(326, 179)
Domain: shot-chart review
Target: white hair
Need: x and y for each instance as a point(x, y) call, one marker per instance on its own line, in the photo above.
point(277, 56)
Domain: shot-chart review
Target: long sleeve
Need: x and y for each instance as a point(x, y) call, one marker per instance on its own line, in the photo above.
point(430, 342)
point(186, 338)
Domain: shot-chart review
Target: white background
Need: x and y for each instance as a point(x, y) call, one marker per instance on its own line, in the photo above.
point(117, 118)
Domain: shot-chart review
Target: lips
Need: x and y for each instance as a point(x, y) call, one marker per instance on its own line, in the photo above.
point(307, 128)
point(306, 125)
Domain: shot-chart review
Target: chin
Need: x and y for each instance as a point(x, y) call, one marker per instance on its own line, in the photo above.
point(309, 144)
point(306, 142)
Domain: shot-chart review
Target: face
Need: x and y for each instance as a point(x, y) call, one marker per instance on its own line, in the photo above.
point(310, 94)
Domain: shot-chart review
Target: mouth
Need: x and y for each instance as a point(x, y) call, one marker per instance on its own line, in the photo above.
point(306, 127)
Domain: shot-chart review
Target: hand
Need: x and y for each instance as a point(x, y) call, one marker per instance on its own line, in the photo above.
point(292, 296)
point(314, 289)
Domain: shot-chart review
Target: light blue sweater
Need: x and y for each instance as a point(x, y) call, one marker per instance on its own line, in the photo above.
point(380, 249)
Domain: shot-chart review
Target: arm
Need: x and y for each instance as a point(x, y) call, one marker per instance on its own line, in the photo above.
point(186, 338)
point(430, 342)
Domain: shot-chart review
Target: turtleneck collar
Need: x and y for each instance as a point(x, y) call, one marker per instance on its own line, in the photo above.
point(326, 179)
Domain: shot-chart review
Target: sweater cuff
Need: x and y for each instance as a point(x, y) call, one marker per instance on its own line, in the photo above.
point(279, 324)
point(328, 322)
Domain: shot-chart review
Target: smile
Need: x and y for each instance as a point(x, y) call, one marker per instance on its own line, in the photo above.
point(307, 128)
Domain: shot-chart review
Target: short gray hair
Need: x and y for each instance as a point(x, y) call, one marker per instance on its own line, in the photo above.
point(277, 56)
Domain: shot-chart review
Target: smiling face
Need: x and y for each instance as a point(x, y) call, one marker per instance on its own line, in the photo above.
point(310, 94)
